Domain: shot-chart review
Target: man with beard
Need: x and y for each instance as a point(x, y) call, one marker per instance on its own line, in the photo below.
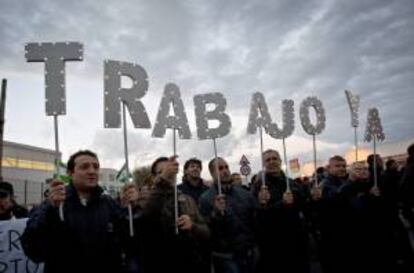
point(366, 228)
point(281, 234)
point(231, 220)
point(192, 184)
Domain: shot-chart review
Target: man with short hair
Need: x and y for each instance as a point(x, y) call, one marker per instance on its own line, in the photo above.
point(366, 227)
point(193, 185)
point(332, 217)
point(281, 235)
point(230, 217)
point(88, 239)
point(161, 248)
point(336, 177)
point(237, 179)
point(8, 206)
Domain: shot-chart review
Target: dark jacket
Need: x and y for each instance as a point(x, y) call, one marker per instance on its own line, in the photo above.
point(88, 240)
point(331, 186)
point(366, 229)
point(380, 175)
point(281, 228)
point(407, 184)
point(232, 233)
point(332, 207)
point(193, 191)
point(161, 249)
point(331, 221)
point(390, 187)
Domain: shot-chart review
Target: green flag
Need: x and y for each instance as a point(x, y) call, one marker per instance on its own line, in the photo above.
point(122, 175)
point(62, 173)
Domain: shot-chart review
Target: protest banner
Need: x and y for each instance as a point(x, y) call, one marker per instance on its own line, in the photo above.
point(12, 257)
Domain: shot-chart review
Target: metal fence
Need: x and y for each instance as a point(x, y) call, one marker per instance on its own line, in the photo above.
point(28, 192)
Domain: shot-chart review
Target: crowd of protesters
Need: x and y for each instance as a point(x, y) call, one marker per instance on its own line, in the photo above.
point(340, 220)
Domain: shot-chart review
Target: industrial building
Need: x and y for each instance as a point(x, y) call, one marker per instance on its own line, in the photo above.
point(28, 167)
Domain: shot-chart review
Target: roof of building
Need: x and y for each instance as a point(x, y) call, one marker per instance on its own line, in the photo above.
point(29, 147)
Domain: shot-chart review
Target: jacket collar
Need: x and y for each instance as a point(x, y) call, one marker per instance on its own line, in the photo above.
point(225, 188)
point(72, 193)
point(188, 183)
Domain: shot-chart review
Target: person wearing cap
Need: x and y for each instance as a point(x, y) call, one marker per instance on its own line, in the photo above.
point(9, 209)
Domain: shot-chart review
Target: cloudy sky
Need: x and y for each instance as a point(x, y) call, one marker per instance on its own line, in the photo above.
point(284, 49)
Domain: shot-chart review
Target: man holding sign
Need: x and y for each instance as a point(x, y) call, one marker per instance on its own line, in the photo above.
point(230, 216)
point(160, 248)
point(281, 236)
point(89, 240)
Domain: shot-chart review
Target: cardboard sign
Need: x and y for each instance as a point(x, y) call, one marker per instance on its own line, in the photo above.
point(294, 165)
point(12, 258)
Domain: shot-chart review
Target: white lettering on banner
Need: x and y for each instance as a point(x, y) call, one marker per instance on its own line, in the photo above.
point(12, 258)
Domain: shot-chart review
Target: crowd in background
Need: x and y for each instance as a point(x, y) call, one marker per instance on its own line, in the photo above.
point(357, 218)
